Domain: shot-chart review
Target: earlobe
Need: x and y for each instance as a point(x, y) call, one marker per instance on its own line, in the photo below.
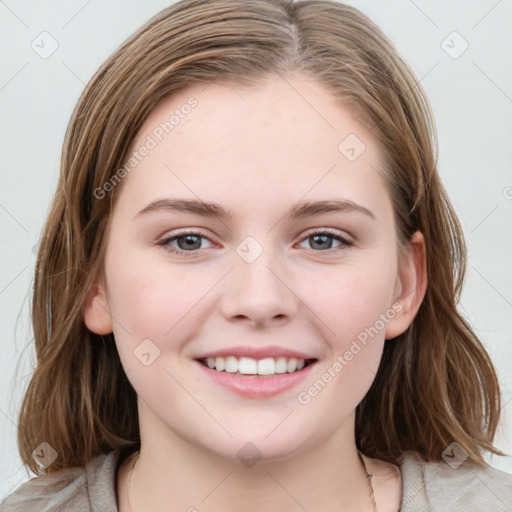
point(96, 310)
point(410, 288)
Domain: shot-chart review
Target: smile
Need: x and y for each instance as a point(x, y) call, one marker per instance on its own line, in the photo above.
point(249, 366)
point(255, 379)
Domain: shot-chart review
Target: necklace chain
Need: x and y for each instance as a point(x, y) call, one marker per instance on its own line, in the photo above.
point(368, 476)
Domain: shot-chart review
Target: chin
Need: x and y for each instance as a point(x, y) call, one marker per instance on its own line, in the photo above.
point(258, 448)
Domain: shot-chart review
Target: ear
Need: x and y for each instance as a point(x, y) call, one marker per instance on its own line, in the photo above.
point(96, 309)
point(410, 288)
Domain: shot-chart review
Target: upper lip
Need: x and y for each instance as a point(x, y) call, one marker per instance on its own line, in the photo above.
point(256, 352)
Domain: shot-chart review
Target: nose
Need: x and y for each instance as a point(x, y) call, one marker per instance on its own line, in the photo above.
point(259, 293)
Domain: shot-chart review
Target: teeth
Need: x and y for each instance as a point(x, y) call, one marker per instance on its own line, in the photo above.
point(266, 366)
point(249, 366)
point(246, 365)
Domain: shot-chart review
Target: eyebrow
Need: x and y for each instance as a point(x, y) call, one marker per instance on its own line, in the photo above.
point(215, 210)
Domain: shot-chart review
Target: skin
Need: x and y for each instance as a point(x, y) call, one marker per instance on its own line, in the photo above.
point(256, 151)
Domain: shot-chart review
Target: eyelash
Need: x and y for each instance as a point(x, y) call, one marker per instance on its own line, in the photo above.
point(330, 233)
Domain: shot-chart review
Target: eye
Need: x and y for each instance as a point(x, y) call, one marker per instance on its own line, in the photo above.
point(185, 242)
point(322, 240)
point(190, 242)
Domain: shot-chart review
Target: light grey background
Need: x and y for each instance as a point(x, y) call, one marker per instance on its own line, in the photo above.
point(471, 96)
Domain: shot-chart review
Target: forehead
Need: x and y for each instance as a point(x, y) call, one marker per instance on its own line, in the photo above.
point(288, 136)
point(293, 114)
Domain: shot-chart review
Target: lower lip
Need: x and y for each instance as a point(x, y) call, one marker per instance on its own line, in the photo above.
point(257, 387)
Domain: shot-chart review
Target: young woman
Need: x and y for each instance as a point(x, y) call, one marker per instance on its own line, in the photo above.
point(246, 294)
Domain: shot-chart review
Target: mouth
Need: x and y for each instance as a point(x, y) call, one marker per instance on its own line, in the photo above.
point(255, 378)
point(256, 368)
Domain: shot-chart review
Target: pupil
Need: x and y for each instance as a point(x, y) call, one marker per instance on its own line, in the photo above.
point(189, 241)
point(323, 239)
point(194, 242)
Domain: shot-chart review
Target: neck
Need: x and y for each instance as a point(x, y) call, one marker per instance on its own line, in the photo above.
point(171, 471)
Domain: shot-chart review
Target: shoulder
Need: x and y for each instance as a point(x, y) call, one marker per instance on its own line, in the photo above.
point(438, 486)
point(79, 489)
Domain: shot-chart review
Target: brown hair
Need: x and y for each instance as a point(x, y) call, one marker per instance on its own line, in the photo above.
point(436, 383)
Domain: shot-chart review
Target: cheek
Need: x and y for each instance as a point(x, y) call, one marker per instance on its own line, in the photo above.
point(353, 298)
point(152, 300)
point(139, 296)
point(352, 309)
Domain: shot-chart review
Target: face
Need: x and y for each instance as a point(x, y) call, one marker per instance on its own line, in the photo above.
point(275, 275)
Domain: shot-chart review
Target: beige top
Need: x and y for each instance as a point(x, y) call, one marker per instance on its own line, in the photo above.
point(433, 486)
